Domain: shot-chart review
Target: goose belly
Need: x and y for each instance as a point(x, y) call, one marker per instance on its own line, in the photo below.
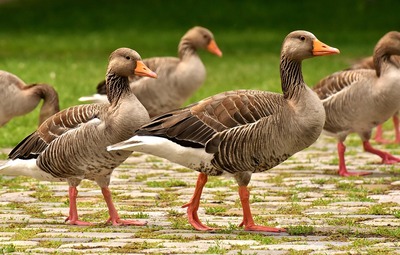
point(81, 161)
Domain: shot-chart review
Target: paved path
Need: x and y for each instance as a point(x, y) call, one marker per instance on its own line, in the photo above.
point(324, 213)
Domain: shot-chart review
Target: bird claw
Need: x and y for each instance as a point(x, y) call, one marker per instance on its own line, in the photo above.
point(78, 222)
point(120, 222)
point(262, 228)
point(193, 218)
point(348, 174)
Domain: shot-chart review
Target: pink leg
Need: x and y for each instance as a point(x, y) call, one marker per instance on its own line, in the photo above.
point(379, 132)
point(379, 135)
point(387, 158)
point(342, 164)
point(114, 217)
point(248, 220)
point(194, 204)
point(396, 128)
point(73, 211)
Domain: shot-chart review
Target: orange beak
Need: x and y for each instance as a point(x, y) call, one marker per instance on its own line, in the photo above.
point(321, 49)
point(142, 70)
point(213, 48)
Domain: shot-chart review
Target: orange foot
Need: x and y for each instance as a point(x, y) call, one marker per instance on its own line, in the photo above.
point(77, 222)
point(193, 218)
point(253, 227)
point(120, 222)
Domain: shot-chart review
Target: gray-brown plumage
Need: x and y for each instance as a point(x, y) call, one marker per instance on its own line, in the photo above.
point(368, 63)
point(356, 101)
point(71, 145)
point(241, 132)
point(19, 99)
point(178, 78)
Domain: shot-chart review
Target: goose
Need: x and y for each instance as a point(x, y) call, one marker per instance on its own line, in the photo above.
point(178, 78)
point(240, 132)
point(19, 99)
point(71, 145)
point(368, 63)
point(356, 101)
point(364, 63)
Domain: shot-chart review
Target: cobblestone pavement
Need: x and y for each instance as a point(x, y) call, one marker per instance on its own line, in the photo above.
point(323, 213)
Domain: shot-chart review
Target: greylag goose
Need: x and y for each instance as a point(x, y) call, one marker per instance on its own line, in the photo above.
point(364, 63)
point(356, 101)
point(178, 78)
point(19, 99)
point(368, 63)
point(71, 145)
point(240, 132)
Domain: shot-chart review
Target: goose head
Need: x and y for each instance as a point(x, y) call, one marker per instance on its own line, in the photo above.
point(387, 46)
point(202, 38)
point(300, 44)
point(126, 62)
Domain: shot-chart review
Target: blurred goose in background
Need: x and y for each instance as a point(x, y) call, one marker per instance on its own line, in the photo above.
point(356, 101)
point(240, 132)
point(18, 99)
point(71, 145)
point(368, 63)
point(178, 78)
point(364, 63)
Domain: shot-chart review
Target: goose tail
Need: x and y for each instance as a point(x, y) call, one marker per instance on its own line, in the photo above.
point(26, 167)
point(137, 143)
point(95, 98)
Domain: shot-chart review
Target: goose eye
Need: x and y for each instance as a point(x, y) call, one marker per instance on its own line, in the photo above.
point(302, 38)
point(128, 58)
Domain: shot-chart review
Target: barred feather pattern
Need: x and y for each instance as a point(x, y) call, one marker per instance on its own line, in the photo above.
point(358, 100)
point(53, 128)
point(116, 88)
point(57, 139)
point(236, 126)
point(72, 143)
point(338, 81)
point(247, 131)
point(291, 76)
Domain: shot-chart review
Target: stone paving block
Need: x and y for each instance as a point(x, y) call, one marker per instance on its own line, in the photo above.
point(383, 222)
point(88, 234)
point(92, 245)
point(19, 243)
point(22, 197)
point(304, 192)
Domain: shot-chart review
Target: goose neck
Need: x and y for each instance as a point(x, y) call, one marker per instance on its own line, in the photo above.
point(186, 49)
point(291, 76)
point(116, 87)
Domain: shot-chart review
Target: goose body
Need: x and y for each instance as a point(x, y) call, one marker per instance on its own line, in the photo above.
point(19, 99)
point(71, 145)
point(240, 132)
point(178, 77)
point(356, 101)
point(368, 63)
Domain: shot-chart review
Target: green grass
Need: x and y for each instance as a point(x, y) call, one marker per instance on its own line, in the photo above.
point(67, 43)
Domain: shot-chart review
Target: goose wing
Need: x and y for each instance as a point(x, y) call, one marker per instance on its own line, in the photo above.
point(338, 81)
point(55, 127)
point(194, 125)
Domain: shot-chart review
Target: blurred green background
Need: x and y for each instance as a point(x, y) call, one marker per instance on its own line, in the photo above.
point(66, 43)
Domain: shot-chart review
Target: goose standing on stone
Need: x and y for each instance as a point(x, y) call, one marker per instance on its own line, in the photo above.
point(19, 99)
point(356, 101)
point(71, 145)
point(240, 132)
point(178, 78)
point(368, 63)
